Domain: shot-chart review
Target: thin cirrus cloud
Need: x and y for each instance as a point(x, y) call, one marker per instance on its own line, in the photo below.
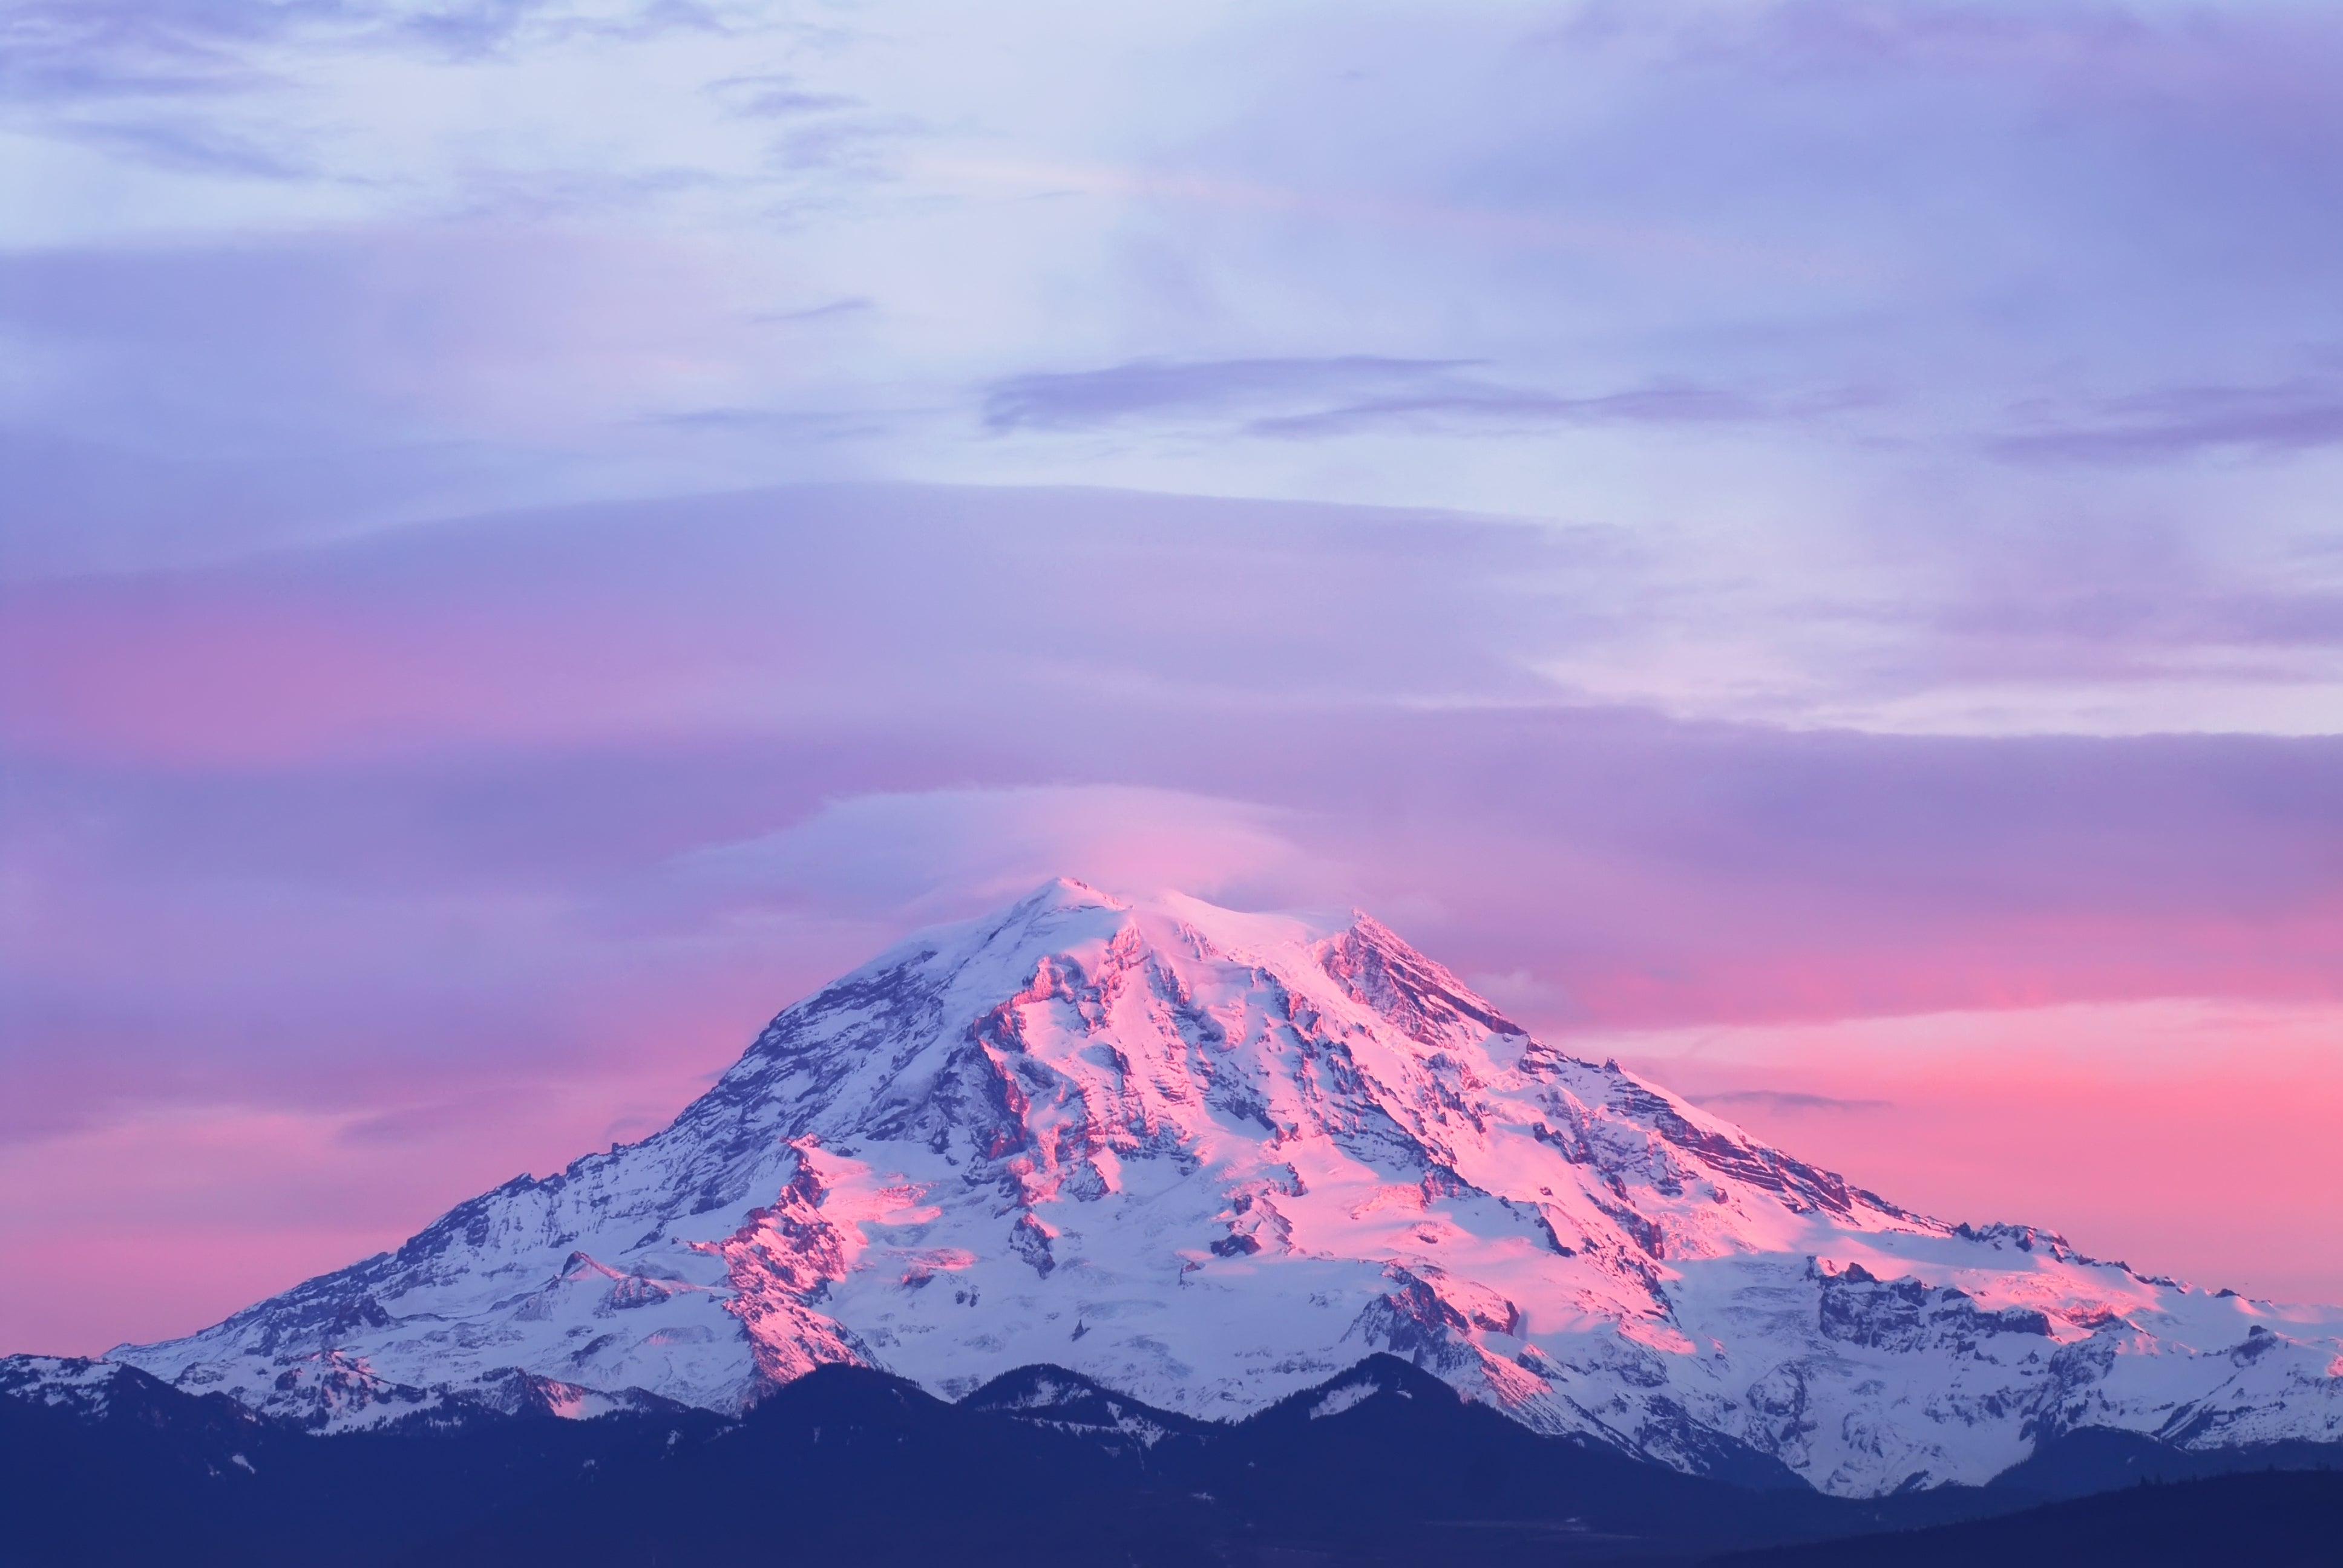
point(1323, 397)
point(2186, 421)
point(776, 97)
point(1735, 1100)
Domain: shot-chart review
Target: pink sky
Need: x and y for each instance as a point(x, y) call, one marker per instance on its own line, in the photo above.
point(1796, 549)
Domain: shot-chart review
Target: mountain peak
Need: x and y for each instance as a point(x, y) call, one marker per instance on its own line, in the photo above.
point(1060, 894)
point(1209, 1159)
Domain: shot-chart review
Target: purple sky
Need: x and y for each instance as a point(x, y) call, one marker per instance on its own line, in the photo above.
point(1795, 545)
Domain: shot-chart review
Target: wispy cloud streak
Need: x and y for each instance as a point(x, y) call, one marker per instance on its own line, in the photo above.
point(2186, 421)
point(1328, 397)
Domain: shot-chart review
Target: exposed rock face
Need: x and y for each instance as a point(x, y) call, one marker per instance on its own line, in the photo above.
point(1209, 1159)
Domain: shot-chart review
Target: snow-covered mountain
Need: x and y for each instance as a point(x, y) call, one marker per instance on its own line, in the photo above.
point(1210, 1159)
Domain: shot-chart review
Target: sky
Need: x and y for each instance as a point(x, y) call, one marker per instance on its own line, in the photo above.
point(1795, 545)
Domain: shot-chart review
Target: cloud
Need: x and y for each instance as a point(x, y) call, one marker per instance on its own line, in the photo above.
point(134, 48)
point(337, 349)
point(196, 148)
point(1787, 1100)
point(963, 850)
point(777, 97)
point(834, 308)
point(2186, 421)
point(1747, 290)
point(1072, 399)
point(1505, 408)
point(1297, 397)
point(66, 51)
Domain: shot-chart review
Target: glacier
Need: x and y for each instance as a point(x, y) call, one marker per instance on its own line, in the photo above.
point(1210, 1159)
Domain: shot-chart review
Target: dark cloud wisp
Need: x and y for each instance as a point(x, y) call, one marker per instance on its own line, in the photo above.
point(2185, 421)
point(1332, 396)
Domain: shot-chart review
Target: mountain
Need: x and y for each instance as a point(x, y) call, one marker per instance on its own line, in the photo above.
point(101, 1463)
point(1208, 1160)
point(1385, 1463)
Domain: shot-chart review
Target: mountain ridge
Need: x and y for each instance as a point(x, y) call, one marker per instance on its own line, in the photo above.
point(1382, 1464)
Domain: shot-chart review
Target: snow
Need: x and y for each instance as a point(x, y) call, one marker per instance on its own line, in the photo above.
point(77, 1382)
point(1350, 1396)
point(1210, 1159)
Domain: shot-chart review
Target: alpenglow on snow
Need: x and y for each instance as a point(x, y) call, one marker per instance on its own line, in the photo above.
point(1210, 1159)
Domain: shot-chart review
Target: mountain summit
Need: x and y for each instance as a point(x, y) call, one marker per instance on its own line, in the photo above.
point(1210, 1159)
